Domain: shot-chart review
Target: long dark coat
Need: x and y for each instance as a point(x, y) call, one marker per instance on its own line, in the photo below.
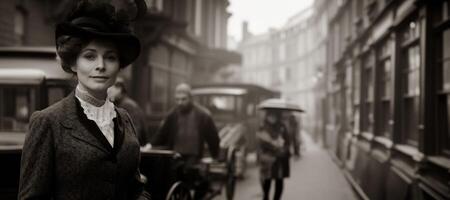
point(273, 159)
point(65, 156)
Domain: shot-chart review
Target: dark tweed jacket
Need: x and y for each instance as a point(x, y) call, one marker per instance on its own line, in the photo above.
point(65, 156)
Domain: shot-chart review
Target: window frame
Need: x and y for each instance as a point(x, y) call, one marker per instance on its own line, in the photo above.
point(385, 90)
point(441, 24)
point(20, 25)
point(410, 136)
point(356, 96)
point(368, 92)
point(444, 95)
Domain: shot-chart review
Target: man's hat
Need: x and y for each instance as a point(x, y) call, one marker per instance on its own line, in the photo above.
point(91, 19)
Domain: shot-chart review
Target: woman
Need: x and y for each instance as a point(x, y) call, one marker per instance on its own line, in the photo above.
point(273, 153)
point(83, 147)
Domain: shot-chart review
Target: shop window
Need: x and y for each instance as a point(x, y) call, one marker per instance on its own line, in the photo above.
point(410, 76)
point(17, 105)
point(384, 65)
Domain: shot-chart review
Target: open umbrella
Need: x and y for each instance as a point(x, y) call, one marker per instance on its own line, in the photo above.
point(281, 104)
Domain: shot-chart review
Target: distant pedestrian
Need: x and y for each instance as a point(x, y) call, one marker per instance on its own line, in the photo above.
point(293, 127)
point(83, 147)
point(273, 153)
point(118, 95)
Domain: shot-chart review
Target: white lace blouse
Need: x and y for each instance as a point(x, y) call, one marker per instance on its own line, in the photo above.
point(102, 115)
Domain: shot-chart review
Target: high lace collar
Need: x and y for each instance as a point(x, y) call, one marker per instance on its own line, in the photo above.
point(85, 96)
point(102, 114)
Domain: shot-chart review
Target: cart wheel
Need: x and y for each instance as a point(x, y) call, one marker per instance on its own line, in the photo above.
point(231, 179)
point(179, 191)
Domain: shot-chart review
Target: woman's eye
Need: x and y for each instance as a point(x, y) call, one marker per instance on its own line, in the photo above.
point(90, 56)
point(112, 58)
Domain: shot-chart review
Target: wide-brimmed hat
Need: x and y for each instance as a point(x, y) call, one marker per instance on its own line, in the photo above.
point(101, 22)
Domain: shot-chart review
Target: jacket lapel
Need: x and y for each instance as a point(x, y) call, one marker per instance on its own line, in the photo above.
point(119, 131)
point(82, 128)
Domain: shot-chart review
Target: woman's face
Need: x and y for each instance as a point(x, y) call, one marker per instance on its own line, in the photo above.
point(97, 67)
point(272, 118)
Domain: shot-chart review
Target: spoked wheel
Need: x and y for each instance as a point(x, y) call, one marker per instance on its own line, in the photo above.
point(179, 191)
point(231, 178)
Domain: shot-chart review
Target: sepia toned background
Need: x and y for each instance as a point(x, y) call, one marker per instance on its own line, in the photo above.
point(372, 75)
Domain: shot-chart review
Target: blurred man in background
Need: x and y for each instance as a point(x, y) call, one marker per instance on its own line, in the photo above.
point(118, 95)
point(186, 130)
point(187, 127)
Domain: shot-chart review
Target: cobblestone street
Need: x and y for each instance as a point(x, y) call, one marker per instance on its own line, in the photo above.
point(314, 177)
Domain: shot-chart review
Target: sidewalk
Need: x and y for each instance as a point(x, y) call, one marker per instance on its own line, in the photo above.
point(314, 177)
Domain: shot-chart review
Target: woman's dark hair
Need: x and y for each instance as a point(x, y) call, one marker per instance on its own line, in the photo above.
point(69, 48)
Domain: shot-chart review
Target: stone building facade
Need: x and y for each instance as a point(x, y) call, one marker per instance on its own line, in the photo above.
point(179, 38)
point(291, 60)
point(387, 110)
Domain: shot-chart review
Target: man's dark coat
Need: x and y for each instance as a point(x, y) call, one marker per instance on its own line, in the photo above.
point(205, 125)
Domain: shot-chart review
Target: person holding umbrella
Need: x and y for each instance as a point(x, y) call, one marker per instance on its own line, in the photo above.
point(274, 146)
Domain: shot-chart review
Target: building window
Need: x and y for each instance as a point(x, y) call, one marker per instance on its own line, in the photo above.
point(444, 92)
point(384, 71)
point(282, 52)
point(348, 97)
point(358, 8)
point(368, 92)
point(410, 76)
point(441, 12)
point(441, 52)
point(446, 60)
point(340, 99)
point(19, 26)
point(356, 84)
point(372, 9)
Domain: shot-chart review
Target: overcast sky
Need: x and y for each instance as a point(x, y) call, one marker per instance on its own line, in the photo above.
point(262, 14)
